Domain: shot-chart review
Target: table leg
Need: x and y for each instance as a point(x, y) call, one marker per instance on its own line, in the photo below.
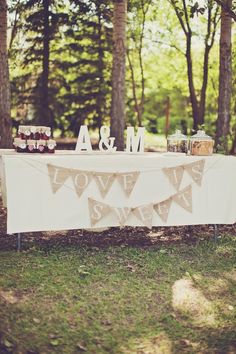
point(216, 233)
point(18, 242)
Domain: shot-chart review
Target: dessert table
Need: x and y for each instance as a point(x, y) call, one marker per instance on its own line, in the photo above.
point(41, 191)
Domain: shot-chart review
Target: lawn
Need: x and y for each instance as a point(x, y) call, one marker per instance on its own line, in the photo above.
point(161, 298)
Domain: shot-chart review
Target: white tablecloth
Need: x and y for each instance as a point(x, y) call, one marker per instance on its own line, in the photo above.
point(32, 206)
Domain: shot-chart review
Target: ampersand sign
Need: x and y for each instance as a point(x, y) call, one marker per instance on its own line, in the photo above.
point(106, 142)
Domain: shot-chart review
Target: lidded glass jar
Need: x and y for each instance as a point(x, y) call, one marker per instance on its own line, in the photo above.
point(41, 145)
point(31, 145)
point(177, 142)
point(201, 144)
point(51, 144)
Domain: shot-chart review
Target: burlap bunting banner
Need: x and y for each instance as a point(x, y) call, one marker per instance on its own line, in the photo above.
point(144, 213)
point(81, 180)
point(122, 214)
point(195, 170)
point(127, 181)
point(184, 198)
point(163, 209)
point(97, 210)
point(175, 175)
point(104, 181)
point(58, 176)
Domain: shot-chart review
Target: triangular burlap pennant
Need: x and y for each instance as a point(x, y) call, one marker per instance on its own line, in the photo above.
point(163, 209)
point(195, 170)
point(97, 210)
point(175, 175)
point(127, 181)
point(58, 175)
point(144, 213)
point(122, 214)
point(104, 181)
point(81, 180)
point(184, 198)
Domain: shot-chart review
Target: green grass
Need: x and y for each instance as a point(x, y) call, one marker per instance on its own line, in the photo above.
point(177, 299)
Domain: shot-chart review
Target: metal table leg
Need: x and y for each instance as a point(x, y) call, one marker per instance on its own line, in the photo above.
point(18, 242)
point(216, 233)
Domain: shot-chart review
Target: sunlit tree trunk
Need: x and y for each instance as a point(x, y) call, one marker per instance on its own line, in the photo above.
point(5, 112)
point(46, 117)
point(225, 79)
point(118, 73)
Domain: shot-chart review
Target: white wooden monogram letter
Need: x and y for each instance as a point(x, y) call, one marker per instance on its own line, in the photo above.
point(135, 143)
point(83, 141)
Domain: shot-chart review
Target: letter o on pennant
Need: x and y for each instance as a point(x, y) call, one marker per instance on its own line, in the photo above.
point(81, 180)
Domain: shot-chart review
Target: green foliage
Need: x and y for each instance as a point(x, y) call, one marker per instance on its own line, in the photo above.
point(81, 61)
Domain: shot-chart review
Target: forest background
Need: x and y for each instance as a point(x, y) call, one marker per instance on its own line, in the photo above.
point(60, 64)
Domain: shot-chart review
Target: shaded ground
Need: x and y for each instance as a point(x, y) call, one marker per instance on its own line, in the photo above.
point(138, 237)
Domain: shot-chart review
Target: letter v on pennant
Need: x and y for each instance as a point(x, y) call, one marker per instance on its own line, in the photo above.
point(104, 181)
point(58, 175)
point(175, 175)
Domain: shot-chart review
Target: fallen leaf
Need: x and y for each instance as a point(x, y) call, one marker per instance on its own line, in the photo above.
point(54, 342)
point(7, 343)
point(36, 320)
point(81, 347)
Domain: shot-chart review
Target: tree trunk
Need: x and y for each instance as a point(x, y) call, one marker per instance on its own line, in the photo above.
point(225, 79)
point(46, 114)
point(100, 98)
point(192, 92)
point(118, 73)
point(202, 103)
point(5, 111)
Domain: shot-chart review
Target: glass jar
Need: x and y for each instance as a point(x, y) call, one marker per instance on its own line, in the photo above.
point(31, 145)
point(51, 144)
point(37, 134)
point(16, 142)
point(46, 133)
point(41, 146)
point(201, 144)
point(177, 142)
point(20, 145)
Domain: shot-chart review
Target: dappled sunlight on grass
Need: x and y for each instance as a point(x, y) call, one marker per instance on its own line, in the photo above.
point(159, 344)
point(190, 301)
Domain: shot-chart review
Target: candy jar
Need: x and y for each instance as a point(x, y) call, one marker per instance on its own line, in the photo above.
point(201, 144)
point(51, 144)
point(177, 142)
